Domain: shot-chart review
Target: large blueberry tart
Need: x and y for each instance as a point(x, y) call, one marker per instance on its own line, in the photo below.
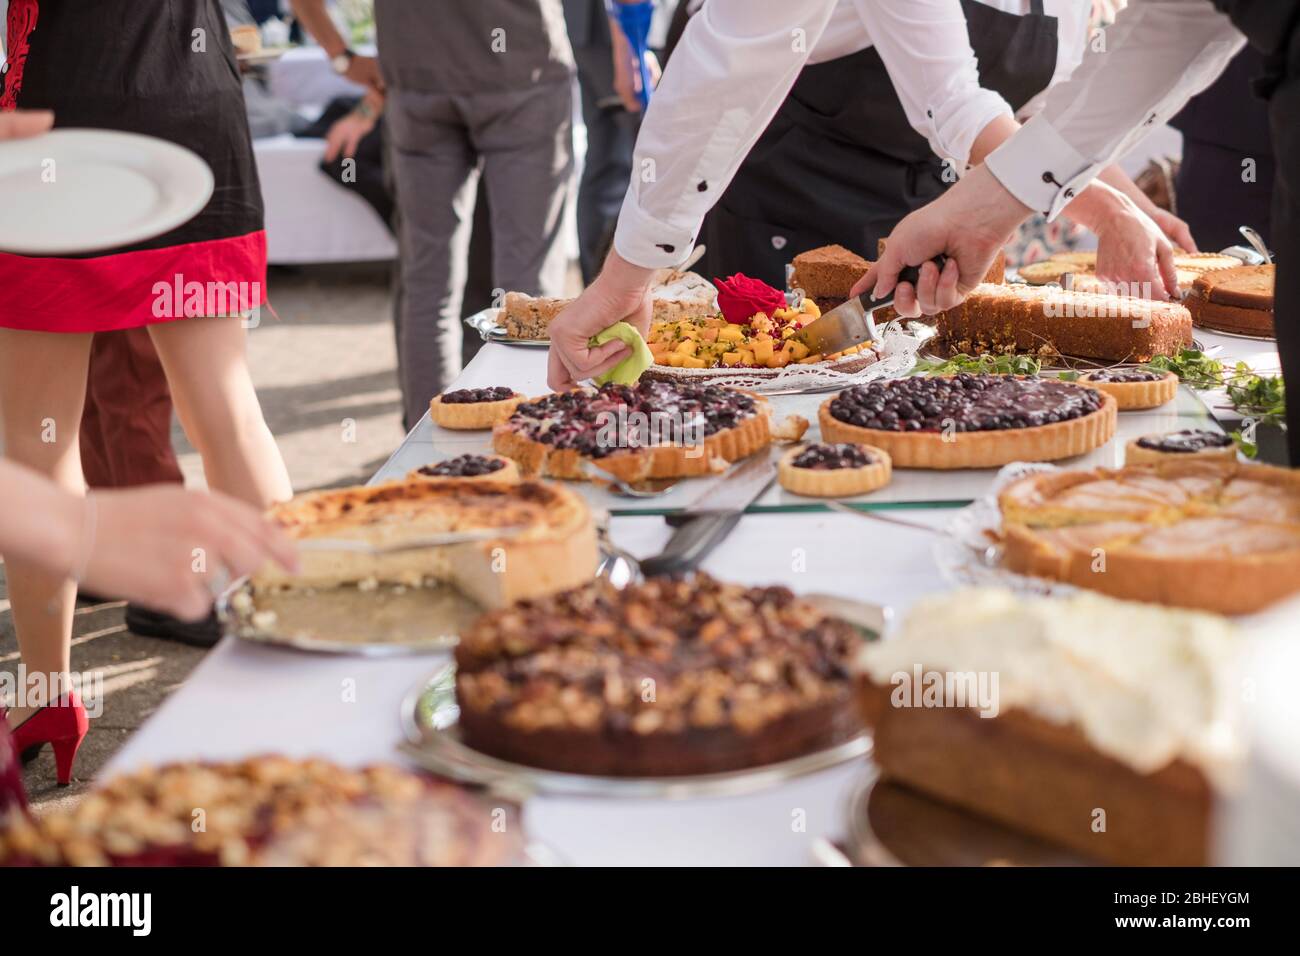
point(970, 421)
point(670, 677)
point(474, 408)
point(833, 469)
point(653, 429)
point(470, 466)
point(1133, 386)
point(1188, 443)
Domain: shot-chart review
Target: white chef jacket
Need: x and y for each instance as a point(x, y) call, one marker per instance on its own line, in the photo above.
point(738, 59)
point(1158, 54)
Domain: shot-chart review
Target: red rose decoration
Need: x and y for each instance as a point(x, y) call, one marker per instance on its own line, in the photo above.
point(741, 298)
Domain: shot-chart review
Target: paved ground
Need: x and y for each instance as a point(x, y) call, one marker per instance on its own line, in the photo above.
point(325, 372)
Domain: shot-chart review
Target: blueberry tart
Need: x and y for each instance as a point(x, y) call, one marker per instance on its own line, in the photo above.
point(474, 408)
point(970, 421)
point(1134, 387)
point(1188, 443)
point(826, 470)
point(653, 429)
point(469, 467)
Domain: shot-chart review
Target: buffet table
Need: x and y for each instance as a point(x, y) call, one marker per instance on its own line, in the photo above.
point(246, 699)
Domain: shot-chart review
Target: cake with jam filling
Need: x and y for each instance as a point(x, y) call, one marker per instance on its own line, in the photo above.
point(474, 408)
point(669, 677)
point(970, 421)
point(1185, 444)
point(469, 466)
point(833, 469)
point(653, 429)
point(271, 811)
point(1134, 387)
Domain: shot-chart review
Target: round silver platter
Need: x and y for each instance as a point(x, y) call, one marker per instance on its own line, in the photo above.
point(237, 611)
point(485, 324)
point(429, 716)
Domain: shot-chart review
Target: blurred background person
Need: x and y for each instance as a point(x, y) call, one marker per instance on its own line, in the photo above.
point(469, 91)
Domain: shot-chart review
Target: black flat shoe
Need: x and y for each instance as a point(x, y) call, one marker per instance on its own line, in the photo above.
point(147, 623)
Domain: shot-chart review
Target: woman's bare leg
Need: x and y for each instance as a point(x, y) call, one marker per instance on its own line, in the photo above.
point(207, 368)
point(42, 391)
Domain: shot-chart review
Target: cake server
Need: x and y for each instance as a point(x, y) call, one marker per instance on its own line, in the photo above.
point(851, 322)
point(707, 520)
point(410, 544)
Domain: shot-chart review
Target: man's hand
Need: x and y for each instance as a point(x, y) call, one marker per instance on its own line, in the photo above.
point(166, 547)
point(1133, 250)
point(24, 123)
point(968, 224)
point(365, 71)
point(621, 293)
point(1177, 231)
point(346, 134)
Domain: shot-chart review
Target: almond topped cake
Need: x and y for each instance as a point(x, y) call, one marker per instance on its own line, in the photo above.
point(267, 811)
point(663, 678)
point(970, 421)
point(1184, 531)
point(649, 430)
point(547, 542)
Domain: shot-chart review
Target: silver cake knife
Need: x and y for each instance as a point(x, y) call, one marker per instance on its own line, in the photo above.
point(851, 322)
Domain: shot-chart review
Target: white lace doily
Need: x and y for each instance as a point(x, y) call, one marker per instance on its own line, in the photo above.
point(963, 552)
point(897, 350)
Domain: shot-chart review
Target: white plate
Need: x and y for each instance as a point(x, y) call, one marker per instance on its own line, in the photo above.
point(74, 191)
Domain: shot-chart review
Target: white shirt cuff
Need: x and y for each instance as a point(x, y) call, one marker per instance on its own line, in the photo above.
point(1040, 168)
point(645, 241)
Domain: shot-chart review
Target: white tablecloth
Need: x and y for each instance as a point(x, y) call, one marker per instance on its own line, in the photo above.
point(245, 699)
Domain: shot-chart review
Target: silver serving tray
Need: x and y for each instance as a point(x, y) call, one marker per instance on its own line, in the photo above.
point(485, 324)
point(239, 624)
point(429, 715)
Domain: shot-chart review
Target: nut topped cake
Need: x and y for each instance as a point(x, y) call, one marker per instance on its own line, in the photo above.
point(664, 678)
point(970, 421)
point(270, 811)
point(653, 429)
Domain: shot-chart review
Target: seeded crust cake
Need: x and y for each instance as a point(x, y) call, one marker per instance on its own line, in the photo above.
point(1112, 730)
point(664, 678)
point(653, 429)
point(1234, 300)
point(268, 811)
point(1046, 320)
point(1215, 535)
point(970, 421)
point(556, 549)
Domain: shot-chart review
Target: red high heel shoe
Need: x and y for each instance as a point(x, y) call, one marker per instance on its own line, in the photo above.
point(62, 725)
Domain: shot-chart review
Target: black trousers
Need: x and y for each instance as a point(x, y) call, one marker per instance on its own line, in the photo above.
point(1284, 117)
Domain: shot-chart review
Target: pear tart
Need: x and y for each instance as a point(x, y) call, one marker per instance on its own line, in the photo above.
point(822, 470)
point(970, 421)
point(548, 541)
point(268, 811)
point(653, 429)
point(1133, 387)
point(1215, 535)
point(664, 678)
point(471, 409)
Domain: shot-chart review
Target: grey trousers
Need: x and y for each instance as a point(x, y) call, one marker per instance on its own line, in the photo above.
point(521, 143)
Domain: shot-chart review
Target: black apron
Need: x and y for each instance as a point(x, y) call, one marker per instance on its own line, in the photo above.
point(840, 163)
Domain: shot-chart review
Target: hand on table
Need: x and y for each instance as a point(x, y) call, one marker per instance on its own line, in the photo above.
point(968, 224)
point(620, 293)
point(21, 124)
point(165, 547)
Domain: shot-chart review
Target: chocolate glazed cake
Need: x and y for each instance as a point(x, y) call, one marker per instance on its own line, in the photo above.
point(666, 678)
